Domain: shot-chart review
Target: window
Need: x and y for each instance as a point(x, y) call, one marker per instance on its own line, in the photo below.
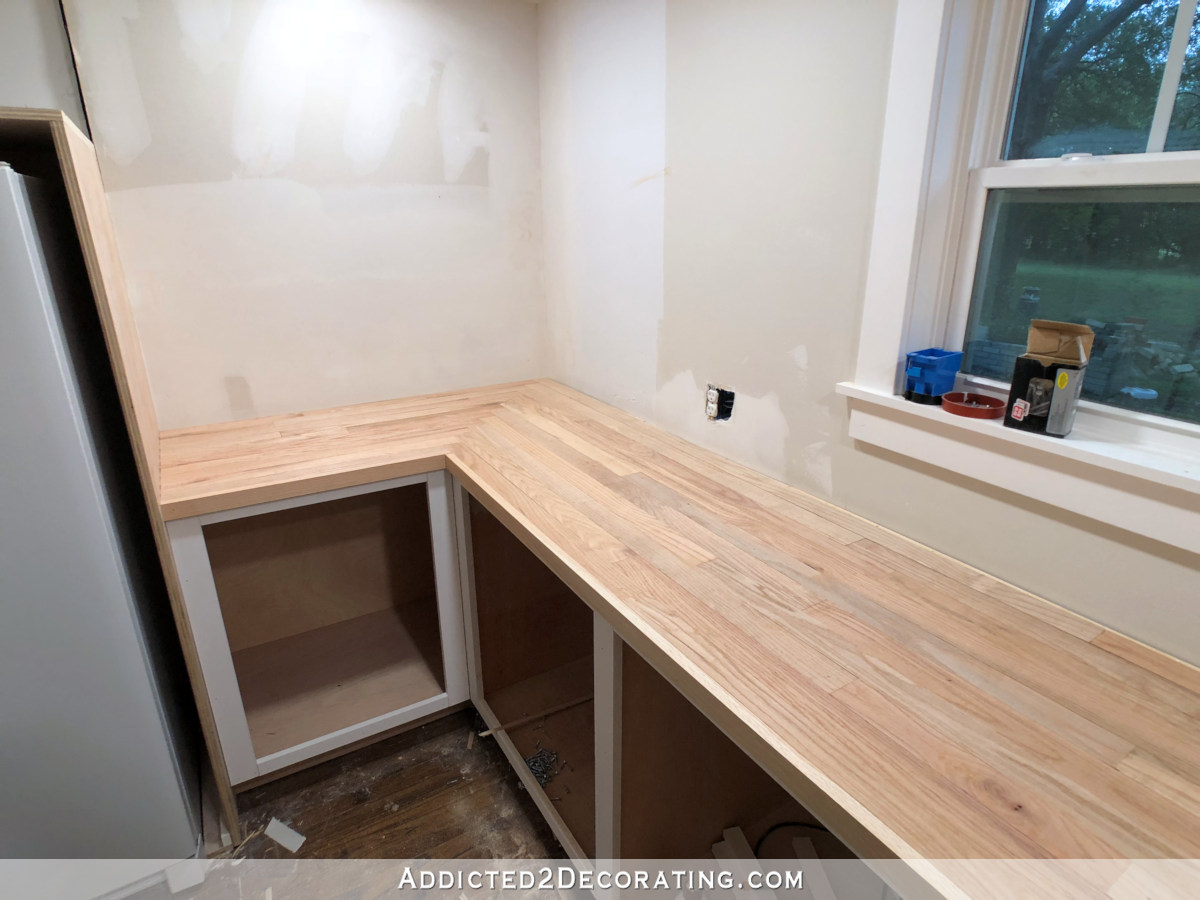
point(981, 223)
point(1125, 261)
point(1105, 77)
point(1083, 204)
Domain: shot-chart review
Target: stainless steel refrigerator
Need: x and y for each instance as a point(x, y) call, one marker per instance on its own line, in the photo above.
point(97, 741)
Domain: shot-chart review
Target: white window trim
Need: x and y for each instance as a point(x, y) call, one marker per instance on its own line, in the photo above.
point(1137, 472)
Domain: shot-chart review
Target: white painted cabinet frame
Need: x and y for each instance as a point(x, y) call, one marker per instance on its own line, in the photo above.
point(216, 659)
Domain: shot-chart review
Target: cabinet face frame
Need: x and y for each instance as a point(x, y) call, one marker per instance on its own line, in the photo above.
point(462, 501)
point(607, 656)
point(216, 659)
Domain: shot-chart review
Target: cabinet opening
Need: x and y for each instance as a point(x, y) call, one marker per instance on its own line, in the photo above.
point(331, 613)
point(683, 781)
point(535, 649)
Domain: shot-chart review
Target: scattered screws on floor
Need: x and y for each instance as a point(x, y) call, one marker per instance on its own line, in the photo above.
point(543, 764)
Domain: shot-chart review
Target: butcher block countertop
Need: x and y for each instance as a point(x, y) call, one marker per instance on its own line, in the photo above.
point(923, 709)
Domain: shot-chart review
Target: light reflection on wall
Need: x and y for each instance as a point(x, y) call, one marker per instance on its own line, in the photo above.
point(205, 26)
point(341, 201)
point(394, 61)
point(118, 114)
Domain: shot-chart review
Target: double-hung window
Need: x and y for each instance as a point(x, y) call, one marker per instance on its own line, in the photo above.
point(1041, 160)
point(1083, 199)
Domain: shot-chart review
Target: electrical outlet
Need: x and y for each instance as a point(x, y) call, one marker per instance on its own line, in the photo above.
point(718, 403)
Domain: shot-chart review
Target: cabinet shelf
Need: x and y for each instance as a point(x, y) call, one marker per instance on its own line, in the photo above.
point(569, 733)
point(317, 682)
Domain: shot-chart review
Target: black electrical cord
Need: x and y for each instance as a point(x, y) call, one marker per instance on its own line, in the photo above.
point(778, 825)
point(887, 891)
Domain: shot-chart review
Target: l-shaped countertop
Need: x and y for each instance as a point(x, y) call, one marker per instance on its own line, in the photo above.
point(922, 708)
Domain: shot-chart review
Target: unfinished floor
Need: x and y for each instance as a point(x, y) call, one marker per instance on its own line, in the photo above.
point(420, 795)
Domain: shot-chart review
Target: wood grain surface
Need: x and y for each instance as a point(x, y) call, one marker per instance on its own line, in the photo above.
point(287, 572)
point(568, 733)
point(919, 707)
point(683, 782)
point(528, 622)
point(429, 793)
point(310, 684)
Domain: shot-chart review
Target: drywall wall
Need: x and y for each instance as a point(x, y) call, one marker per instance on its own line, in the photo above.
point(35, 59)
point(773, 122)
point(322, 213)
point(320, 204)
point(603, 89)
point(773, 140)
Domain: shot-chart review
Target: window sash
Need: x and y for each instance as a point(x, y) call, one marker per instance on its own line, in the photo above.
point(1169, 89)
point(989, 172)
point(1109, 171)
point(1133, 169)
point(1016, 23)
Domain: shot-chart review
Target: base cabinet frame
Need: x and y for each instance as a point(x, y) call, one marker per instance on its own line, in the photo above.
point(699, 782)
point(516, 696)
point(191, 552)
point(526, 696)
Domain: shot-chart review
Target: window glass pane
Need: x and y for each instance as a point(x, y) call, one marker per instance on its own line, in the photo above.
point(1184, 133)
point(1090, 76)
point(1125, 261)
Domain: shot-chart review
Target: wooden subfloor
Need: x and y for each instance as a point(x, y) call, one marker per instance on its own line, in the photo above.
point(421, 794)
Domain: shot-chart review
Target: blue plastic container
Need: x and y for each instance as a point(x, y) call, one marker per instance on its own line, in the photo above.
point(930, 373)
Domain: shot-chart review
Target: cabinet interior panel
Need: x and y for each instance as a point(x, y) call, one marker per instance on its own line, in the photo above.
point(311, 684)
point(682, 780)
point(529, 621)
point(331, 613)
point(536, 658)
point(284, 573)
point(569, 733)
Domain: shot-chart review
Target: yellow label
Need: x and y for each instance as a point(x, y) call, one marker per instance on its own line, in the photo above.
point(1062, 379)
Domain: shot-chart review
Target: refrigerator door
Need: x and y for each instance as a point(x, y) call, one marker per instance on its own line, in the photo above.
point(87, 765)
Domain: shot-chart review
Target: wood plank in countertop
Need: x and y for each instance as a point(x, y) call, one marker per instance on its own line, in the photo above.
point(919, 706)
point(232, 464)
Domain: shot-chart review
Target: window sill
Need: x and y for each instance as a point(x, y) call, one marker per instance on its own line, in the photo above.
point(1127, 477)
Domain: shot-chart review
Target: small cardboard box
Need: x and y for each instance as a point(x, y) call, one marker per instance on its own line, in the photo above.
point(1047, 379)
